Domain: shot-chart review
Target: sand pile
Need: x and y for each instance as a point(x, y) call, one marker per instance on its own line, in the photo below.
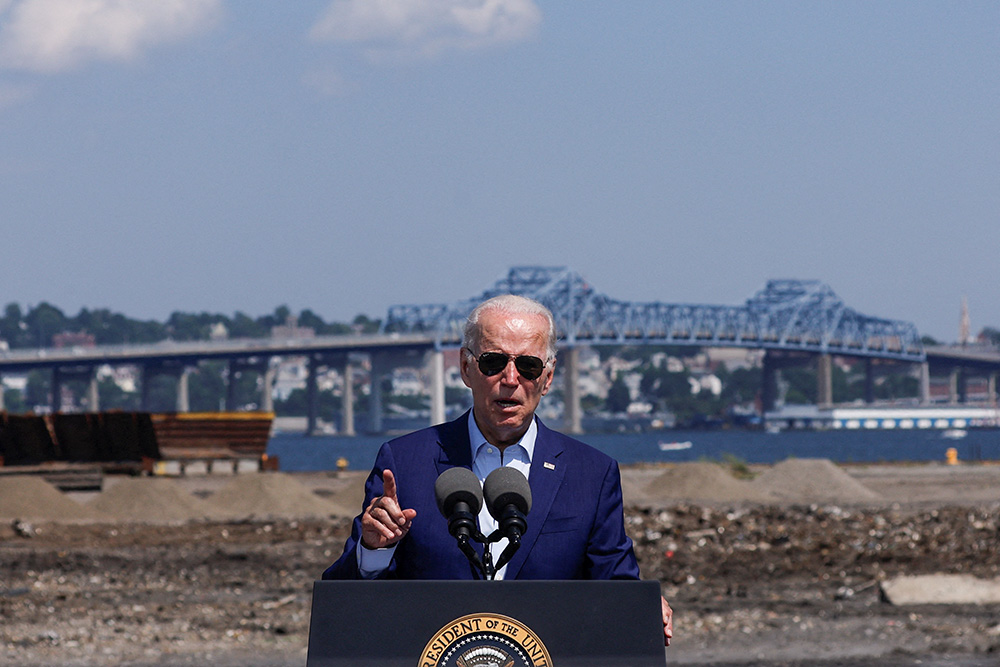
point(31, 497)
point(275, 495)
point(152, 500)
point(634, 484)
point(347, 500)
point(813, 480)
point(705, 482)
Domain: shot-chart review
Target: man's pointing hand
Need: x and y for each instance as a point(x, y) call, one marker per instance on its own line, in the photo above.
point(384, 522)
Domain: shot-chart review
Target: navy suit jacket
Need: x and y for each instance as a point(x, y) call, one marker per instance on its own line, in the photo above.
point(576, 527)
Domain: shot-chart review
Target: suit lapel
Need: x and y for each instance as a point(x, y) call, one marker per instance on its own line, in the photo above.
point(545, 478)
point(455, 450)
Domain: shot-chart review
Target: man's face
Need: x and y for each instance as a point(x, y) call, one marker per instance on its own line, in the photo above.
point(504, 404)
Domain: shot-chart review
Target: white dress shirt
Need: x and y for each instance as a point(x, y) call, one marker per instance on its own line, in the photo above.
point(485, 459)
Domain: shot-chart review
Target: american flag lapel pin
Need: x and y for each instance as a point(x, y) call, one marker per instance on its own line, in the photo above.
point(550, 466)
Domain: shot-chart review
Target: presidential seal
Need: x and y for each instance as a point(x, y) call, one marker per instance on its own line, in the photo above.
point(485, 640)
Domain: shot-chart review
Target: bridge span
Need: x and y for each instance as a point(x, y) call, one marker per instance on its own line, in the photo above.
point(177, 359)
point(792, 321)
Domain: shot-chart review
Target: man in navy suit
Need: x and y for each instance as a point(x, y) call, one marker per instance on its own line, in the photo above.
point(575, 529)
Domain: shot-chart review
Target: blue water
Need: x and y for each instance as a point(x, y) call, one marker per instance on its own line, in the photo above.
point(299, 453)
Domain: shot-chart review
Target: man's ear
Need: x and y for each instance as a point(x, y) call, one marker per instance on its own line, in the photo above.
point(465, 367)
point(548, 381)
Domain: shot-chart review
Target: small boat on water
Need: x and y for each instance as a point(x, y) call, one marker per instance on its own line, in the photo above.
point(675, 446)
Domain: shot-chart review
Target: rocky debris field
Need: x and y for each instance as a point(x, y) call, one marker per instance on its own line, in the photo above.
point(806, 579)
point(770, 582)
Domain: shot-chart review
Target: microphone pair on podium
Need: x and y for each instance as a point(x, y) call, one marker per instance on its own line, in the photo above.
point(508, 499)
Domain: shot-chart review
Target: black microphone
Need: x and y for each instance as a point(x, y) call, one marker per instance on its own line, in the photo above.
point(460, 497)
point(508, 498)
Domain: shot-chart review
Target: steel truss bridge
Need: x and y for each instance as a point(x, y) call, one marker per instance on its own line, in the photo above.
point(790, 320)
point(786, 316)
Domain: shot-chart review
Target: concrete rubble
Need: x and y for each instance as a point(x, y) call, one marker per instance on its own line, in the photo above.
point(941, 589)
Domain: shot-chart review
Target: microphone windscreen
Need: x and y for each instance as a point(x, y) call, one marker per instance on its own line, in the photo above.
point(507, 486)
point(458, 485)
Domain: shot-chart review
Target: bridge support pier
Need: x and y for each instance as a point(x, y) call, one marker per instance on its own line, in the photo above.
point(436, 362)
point(375, 407)
point(179, 372)
point(62, 375)
point(267, 388)
point(925, 383)
point(769, 383)
point(312, 394)
point(93, 393)
point(824, 381)
point(347, 401)
point(571, 391)
point(183, 398)
point(953, 386)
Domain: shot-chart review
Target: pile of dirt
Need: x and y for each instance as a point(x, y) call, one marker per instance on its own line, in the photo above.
point(346, 501)
point(156, 500)
point(270, 495)
point(706, 482)
point(31, 497)
point(812, 481)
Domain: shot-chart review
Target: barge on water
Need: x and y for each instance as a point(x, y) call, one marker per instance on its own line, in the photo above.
point(74, 449)
point(945, 418)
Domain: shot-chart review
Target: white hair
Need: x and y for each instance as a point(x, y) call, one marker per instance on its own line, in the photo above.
point(510, 304)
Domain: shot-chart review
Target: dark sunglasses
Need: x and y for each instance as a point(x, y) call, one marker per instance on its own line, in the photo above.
point(491, 363)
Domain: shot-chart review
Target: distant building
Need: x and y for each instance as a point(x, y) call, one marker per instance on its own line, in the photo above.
point(17, 382)
point(291, 330)
point(709, 383)
point(125, 377)
point(407, 382)
point(73, 339)
point(218, 331)
point(735, 357)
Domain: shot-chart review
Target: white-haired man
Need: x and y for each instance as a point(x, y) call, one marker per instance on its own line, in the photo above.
point(575, 528)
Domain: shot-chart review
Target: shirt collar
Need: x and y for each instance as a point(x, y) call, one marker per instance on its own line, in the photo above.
point(527, 441)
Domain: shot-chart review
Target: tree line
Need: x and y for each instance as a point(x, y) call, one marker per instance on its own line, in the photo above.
point(39, 325)
point(45, 325)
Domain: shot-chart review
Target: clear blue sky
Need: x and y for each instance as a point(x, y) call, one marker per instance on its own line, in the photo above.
point(348, 155)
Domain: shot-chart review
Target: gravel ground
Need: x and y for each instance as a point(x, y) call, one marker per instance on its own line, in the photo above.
point(778, 582)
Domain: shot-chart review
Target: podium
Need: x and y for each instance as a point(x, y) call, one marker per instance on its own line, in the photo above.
point(486, 623)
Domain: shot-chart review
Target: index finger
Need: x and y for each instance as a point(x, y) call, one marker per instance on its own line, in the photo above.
point(389, 485)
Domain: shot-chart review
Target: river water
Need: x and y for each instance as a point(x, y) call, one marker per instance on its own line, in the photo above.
point(300, 453)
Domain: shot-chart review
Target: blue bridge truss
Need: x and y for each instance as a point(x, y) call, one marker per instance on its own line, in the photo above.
point(786, 315)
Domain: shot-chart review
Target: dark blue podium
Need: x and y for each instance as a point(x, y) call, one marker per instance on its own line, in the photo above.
point(486, 623)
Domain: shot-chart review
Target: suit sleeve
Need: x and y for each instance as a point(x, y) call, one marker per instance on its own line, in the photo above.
point(610, 554)
point(346, 566)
